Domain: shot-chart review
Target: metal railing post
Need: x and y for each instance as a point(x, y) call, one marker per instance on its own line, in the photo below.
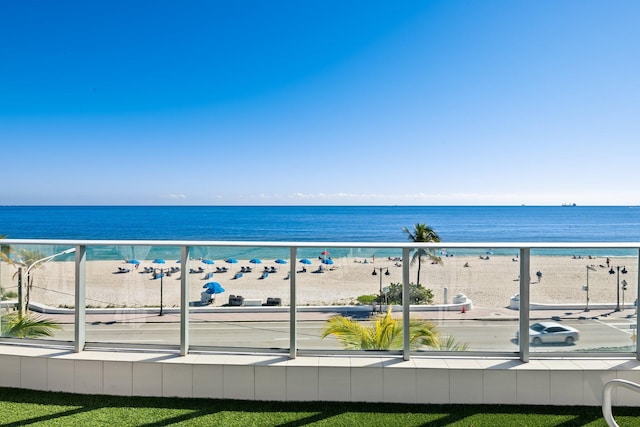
point(406, 302)
point(184, 300)
point(523, 341)
point(293, 341)
point(80, 321)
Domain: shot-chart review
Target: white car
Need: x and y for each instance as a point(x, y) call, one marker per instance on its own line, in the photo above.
point(551, 332)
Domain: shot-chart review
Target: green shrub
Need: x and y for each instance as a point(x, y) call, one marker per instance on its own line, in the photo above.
point(418, 294)
point(367, 299)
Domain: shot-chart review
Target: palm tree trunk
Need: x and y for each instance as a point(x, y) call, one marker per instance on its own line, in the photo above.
point(419, 266)
point(28, 297)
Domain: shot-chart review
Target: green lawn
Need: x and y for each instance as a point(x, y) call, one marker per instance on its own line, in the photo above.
point(24, 407)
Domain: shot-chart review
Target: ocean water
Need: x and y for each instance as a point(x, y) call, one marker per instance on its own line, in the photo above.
point(319, 224)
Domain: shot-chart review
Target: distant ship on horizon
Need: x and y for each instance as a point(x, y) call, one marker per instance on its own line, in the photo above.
point(569, 204)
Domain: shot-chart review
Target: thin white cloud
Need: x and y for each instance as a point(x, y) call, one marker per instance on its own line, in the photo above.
point(174, 196)
point(343, 198)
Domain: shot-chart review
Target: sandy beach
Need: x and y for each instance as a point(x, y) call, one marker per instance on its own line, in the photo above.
point(487, 282)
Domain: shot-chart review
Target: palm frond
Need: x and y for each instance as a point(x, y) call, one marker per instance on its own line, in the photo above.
point(384, 332)
point(351, 333)
point(28, 326)
point(449, 344)
point(423, 333)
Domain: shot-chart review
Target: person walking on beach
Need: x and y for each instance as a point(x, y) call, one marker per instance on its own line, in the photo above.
point(539, 274)
point(608, 261)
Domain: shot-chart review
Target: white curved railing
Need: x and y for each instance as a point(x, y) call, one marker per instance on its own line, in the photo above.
point(606, 398)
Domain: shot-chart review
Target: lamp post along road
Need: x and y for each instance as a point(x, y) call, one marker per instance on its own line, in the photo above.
point(158, 273)
point(623, 271)
point(161, 274)
point(375, 273)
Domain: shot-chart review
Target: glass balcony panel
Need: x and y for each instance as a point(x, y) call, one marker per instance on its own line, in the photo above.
point(341, 282)
point(133, 295)
point(239, 297)
point(564, 320)
point(47, 286)
point(471, 289)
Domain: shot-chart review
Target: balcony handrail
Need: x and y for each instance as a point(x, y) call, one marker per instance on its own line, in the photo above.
point(322, 244)
point(606, 398)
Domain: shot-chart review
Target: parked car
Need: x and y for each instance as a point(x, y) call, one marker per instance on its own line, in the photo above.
point(551, 332)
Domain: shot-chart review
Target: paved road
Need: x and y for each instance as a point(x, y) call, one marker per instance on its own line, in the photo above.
point(481, 335)
point(489, 335)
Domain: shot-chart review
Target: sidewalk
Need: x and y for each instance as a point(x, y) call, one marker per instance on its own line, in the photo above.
point(257, 314)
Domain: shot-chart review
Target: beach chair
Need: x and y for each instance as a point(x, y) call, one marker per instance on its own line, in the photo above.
point(237, 276)
point(235, 301)
point(271, 302)
point(206, 298)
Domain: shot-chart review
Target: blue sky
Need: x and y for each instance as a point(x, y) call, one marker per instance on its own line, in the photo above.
point(294, 103)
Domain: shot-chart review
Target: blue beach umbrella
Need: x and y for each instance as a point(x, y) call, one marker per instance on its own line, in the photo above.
point(255, 261)
point(161, 274)
point(208, 261)
point(133, 261)
point(305, 261)
point(213, 288)
point(327, 261)
point(280, 261)
point(231, 260)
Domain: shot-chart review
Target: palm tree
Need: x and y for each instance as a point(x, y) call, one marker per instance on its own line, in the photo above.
point(27, 326)
point(383, 332)
point(423, 234)
point(25, 259)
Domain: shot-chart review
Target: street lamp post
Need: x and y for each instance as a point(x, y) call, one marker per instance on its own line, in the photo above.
point(623, 271)
point(375, 273)
point(159, 261)
point(161, 274)
point(587, 287)
point(26, 273)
